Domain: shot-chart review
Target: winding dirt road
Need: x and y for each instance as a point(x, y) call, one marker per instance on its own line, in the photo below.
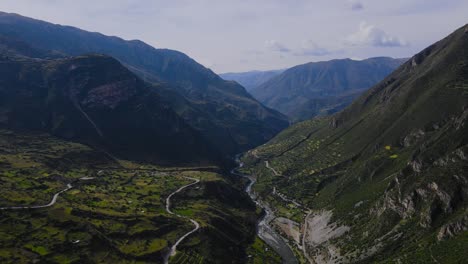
point(267, 164)
point(52, 202)
point(173, 249)
point(304, 236)
point(309, 212)
point(284, 198)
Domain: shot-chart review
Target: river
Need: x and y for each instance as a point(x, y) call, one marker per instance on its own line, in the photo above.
point(264, 230)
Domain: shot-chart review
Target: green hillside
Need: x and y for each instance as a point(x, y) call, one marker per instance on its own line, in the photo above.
point(322, 88)
point(389, 172)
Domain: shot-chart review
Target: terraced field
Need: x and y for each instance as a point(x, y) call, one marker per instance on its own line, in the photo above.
point(116, 212)
point(188, 258)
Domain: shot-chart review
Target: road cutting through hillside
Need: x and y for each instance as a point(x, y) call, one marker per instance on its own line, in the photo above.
point(173, 249)
point(309, 212)
point(284, 198)
point(52, 202)
point(267, 164)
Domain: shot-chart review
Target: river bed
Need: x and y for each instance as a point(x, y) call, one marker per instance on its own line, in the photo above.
point(264, 230)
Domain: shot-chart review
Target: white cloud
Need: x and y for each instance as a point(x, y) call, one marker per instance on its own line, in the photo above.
point(274, 45)
point(310, 48)
point(369, 35)
point(225, 31)
point(307, 48)
point(355, 5)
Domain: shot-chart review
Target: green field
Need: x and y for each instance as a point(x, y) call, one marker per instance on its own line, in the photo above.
point(116, 215)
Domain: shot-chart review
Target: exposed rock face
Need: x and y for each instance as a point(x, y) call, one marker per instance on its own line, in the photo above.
point(289, 228)
point(321, 229)
point(454, 228)
point(413, 137)
point(415, 165)
point(402, 148)
point(393, 200)
point(456, 156)
point(319, 236)
point(110, 95)
point(460, 121)
point(409, 204)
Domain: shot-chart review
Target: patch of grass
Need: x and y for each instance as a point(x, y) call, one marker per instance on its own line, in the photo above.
point(259, 252)
point(37, 249)
point(143, 247)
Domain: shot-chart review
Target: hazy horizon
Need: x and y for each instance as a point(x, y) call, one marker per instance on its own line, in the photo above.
point(235, 36)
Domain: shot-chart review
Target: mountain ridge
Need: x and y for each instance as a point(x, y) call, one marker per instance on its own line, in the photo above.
point(322, 88)
point(93, 99)
point(218, 109)
point(389, 170)
point(251, 79)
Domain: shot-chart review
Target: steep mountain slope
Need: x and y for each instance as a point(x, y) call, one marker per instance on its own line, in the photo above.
point(251, 79)
point(63, 201)
point(321, 88)
point(223, 111)
point(11, 47)
point(386, 179)
point(95, 100)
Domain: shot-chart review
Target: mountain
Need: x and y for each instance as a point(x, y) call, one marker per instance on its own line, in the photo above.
point(386, 179)
point(10, 47)
point(322, 88)
point(84, 145)
point(93, 99)
point(221, 110)
point(251, 79)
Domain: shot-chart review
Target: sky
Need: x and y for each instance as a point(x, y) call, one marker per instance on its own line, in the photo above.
point(242, 35)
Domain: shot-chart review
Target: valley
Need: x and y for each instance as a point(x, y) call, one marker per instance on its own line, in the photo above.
point(319, 88)
point(383, 180)
point(173, 249)
point(264, 228)
point(223, 112)
point(115, 151)
point(277, 227)
point(122, 210)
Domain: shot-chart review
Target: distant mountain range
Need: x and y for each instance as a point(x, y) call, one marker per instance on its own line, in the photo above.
point(386, 178)
point(110, 131)
point(222, 111)
point(322, 88)
point(251, 79)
